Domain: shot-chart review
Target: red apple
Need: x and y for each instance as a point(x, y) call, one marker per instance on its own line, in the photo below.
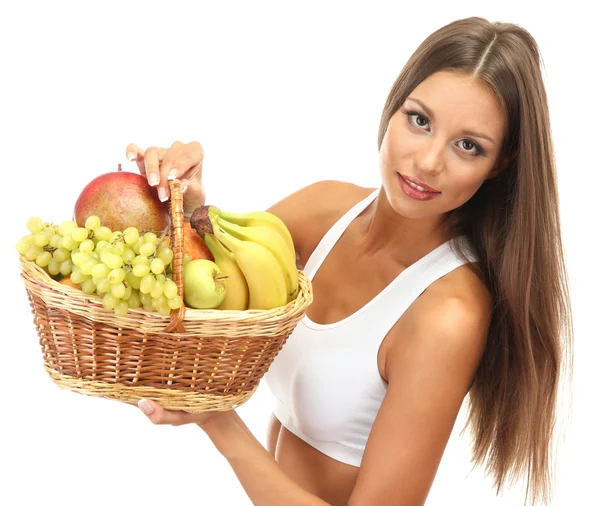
point(122, 199)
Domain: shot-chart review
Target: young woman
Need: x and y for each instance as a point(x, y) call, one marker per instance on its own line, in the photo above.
point(447, 281)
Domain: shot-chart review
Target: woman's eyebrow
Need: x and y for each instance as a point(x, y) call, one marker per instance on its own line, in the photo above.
point(464, 132)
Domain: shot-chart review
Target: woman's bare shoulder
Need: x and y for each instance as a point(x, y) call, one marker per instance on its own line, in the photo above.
point(309, 212)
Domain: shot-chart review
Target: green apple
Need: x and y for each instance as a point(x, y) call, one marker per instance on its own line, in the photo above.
point(203, 284)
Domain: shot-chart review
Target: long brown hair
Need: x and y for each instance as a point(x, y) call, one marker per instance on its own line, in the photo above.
point(514, 225)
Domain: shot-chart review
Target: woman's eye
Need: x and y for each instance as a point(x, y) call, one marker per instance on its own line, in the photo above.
point(470, 147)
point(419, 121)
point(416, 117)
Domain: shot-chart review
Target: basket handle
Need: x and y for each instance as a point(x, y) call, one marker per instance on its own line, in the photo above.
point(176, 211)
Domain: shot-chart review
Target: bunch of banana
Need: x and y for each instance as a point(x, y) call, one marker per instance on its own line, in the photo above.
point(255, 250)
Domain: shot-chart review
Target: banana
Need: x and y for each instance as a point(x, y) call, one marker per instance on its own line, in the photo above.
point(236, 297)
point(271, 239)
point(260, 218)
point(266, 283)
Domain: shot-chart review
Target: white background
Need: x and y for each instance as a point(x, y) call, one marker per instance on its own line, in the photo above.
point(280, 94)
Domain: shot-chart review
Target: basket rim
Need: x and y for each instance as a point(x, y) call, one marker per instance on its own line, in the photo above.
point(35, 275)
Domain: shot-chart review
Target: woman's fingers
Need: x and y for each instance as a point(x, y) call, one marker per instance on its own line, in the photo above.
point(160, 416)
point(136, 154)
point(152, 158)
point(180, 161)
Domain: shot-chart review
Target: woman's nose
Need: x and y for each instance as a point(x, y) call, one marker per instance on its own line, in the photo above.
point(430, 158)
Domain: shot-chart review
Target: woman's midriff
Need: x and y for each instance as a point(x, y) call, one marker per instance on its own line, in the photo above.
point(314, 471)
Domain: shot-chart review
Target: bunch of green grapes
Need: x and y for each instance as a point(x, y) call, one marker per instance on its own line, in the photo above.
point(126, 268)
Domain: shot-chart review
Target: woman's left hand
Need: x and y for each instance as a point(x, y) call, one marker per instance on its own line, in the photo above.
point(160, 416)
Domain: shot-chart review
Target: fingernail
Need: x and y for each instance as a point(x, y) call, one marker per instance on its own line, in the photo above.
point(131, 156)
point(145, 406)
point(162, 194)
point(153, 179)
point(184, 188)
point(172, 174)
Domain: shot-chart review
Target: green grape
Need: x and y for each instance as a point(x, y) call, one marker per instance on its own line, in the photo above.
point(161, 277)
point(134, 299)
point(145, 299)
point(33, 252)
point(128, 255)
point(87, 246)
point(41, 239)
point(79, 234)
point(175, 302)
point(116, 276)
point(103, 286)
point(109, 301)
point(88, 286)
point(157, 266)
point(100, 245)
point(157, 289)
point(149, 308)
point(87, 266)
point(121, 308)
point(170, 289)
point(165, 254)
point(150, 238)
point(55, 241)
point(110, 259)
point(117, 235)
point(147, 283)
point(131, 235)
point(137, 245)
point(164, 310)
point(66, 267)
point(186, 259)
point(118, 290)
point(23, 245)
point(128, 292)
point(77, 276)
point(79, 258)
point(100, 271)
point(132, 280)
point(95, 256)
point(69, 243)
point(140, 270)
point(147, 249)
point(102, 234)
point(92, 222)
point(43, 259)
point(140, 260)
point(61, 254)
point(65, 227)
point(53, 267)
point(118, 248)
point(35, 225)
point(159, 302)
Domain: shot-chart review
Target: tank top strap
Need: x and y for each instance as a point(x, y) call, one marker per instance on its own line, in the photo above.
point(395, 299)
point(333, 235)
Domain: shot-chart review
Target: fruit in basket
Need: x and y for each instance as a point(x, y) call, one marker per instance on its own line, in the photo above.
point(271, 239)
point(263, 272)
point(67, 281)
point(203, 284)
point(121, 200)
point(125, 269)
point(193, 244)
point(236, 296)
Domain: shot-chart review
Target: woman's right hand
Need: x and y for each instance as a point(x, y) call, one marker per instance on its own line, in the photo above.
point(180, 161)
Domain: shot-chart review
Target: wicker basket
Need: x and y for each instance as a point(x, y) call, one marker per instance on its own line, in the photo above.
point(194, 360)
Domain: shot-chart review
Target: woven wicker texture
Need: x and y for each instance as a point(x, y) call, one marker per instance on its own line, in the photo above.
point(195, 360)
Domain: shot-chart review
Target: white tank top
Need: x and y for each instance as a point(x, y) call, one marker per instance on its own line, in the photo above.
point(325, 379)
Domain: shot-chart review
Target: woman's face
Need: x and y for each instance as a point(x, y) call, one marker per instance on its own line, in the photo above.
point(427, 140)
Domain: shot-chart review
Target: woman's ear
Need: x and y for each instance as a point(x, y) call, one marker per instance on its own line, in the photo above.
point(506, 159)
